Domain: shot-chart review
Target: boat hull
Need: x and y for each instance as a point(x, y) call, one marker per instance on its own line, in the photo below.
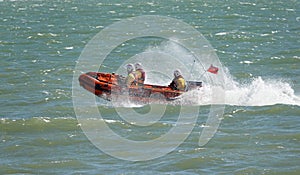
point(108, 86)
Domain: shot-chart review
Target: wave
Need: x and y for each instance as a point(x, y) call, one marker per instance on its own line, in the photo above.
point(38, 124)
point(60, 124)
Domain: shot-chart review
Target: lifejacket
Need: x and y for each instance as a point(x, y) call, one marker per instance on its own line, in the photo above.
point(178, 83)
point(140, 76)
point(130, 79)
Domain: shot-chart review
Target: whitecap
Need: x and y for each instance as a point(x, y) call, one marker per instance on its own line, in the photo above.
point(221, 33)
point(246, 62)
point(69, 48)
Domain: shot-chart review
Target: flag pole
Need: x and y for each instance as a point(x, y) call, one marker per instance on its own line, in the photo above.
point(202, 74)
point(192, 67)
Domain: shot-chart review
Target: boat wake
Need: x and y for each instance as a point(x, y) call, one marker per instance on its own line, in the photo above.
point(261, 92)
point(257, 92)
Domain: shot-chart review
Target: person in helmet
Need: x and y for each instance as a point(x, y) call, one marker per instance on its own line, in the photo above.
point(178, 82)
point(139, 73)
point(130, 79)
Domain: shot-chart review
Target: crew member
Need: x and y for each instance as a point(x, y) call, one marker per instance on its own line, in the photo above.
point(139, 73)
point(130, 79)
point(178, 82)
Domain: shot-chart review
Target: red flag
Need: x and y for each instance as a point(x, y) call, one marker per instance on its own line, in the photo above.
point(213, 69)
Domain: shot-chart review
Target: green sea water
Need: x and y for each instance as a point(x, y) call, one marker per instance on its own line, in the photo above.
point(257, 43)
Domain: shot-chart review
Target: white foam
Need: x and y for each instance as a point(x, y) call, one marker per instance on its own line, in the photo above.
point(261, 92)
point(257, 92)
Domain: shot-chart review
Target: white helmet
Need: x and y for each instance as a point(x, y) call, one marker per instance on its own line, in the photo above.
point(177, 73)
point(138, 66)
point(129, 68)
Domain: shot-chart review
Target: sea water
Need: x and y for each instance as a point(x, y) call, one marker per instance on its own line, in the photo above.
point(257, 43)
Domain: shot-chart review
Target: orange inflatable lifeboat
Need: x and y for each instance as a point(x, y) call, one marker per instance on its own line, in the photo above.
point(106, 85)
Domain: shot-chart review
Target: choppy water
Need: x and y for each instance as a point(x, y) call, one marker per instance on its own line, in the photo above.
point(256, 41)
